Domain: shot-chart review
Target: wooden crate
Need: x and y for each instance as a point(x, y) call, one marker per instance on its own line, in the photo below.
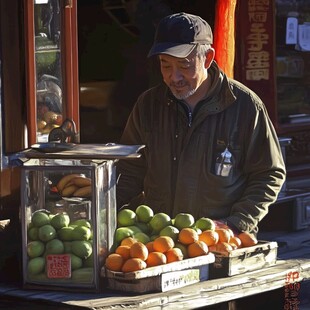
point(239, 261)
point(161, 278)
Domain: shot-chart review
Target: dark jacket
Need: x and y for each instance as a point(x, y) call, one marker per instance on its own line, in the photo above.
point(177, 169)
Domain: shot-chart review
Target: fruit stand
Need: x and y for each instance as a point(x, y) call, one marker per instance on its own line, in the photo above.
point(72, 256)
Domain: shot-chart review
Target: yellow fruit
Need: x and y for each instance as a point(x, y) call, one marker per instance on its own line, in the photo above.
point(65, 180)
point(81, 181)
point(83, 192)
point(69, 190)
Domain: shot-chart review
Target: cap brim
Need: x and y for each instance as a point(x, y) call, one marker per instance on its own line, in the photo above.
point(180, 50)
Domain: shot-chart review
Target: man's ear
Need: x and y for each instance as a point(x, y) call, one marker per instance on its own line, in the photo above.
point(209, 58)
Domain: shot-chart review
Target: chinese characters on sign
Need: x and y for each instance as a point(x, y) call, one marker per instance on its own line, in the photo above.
point(258, 62)
point(58, 266)
point(256, 37)
point(291, 288)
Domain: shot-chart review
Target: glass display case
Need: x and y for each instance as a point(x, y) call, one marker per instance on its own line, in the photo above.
point(48, 73)
point(68, 221)
point(68, 212)
point(51, 66)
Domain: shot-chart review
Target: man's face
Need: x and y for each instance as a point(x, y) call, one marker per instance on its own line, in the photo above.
point(183, 75)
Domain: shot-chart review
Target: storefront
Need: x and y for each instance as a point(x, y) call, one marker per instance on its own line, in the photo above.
point(75, 60)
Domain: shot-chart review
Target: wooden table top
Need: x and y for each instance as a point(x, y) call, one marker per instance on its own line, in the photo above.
point(201, 294)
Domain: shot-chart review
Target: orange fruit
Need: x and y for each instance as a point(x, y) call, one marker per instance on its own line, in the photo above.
point(212, 248)
point(133, 264)
point(224, 234)
point(123, 250)
point(156, 259)
point(114, 262)
point(128, 241)
point(247, 239)
point(223, 247)
point(234, 247)
point(139, 250)
point(235, 240)
point(163, 244)
point(150, 246)
point(174, 255)
point(188, 235)
point(197, 248)
point(209, 237)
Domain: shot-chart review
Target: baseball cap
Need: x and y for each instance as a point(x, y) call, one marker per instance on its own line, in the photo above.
point(178, 34)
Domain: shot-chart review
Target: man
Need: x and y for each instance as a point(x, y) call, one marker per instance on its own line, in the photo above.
point(210, 147)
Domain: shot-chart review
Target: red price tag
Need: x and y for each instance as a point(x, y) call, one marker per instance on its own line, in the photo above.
point(58, 266)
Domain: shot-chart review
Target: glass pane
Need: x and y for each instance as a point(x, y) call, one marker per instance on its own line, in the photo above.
point(293, 61)
point(47, 15)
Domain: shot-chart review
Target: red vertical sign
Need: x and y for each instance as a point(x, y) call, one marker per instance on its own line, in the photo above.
point(256, 51)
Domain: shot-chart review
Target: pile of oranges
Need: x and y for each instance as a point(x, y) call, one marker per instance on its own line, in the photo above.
point(223, 240)
point(133, 255)
point(147, 239)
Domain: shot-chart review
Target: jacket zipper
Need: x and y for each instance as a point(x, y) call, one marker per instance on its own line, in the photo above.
point(190, 118)
point(189, 115)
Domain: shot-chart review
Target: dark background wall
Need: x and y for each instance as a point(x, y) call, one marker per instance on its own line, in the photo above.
point(114, 39)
